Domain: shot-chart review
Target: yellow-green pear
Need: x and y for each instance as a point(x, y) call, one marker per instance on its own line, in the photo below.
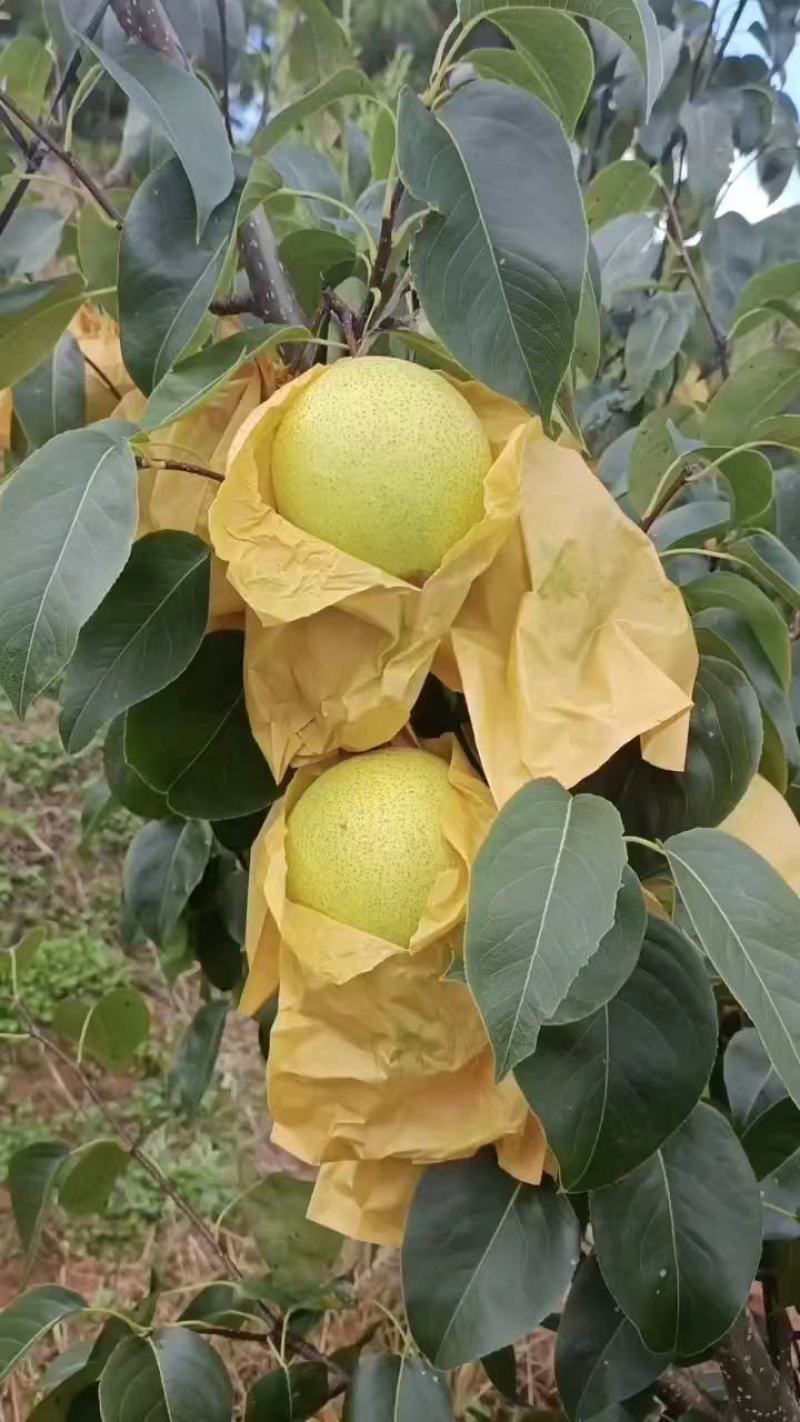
point(365, 842)
point(383, 459)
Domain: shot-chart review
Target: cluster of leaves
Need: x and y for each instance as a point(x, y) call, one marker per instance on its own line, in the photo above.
point(449, 227)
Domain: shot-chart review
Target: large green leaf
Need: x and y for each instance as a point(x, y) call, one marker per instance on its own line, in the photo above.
point(89, 1177)
point(184, 110)
point(632, 21)
point(679, 1239)
point(52, 398)
point(142, 636)
point(726, 634)
point(387, 1388)
point(607, 969)
point(553, 59)
point(29, 1318)
point(762, 386)
point(125, 784)
point(346, 84)
point(772, 563)
point(723, 753)
point(32, 317)
point(772, 1145)
point(172, 1374)
point(490, 237)
point(782, 282)
point(751, 1081)
point(543, 894)
point(622, 187)
point(193, 380)
point(32, 1175)
point(192, 741)
point(748, 920)
point(165, 862)
point(300, 1252)
point(485, 1259)
point(610, 1089)
point(655, 337)
point(67, 519)
point(195, 1059)
point(98, 247)
point(288, 1394)
point(111, 1030)
point(600, 1358)
point(740, 595)
point(166, 276)
point(74, 1399)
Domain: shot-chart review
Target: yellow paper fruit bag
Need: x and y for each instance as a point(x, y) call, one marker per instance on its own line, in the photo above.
point(378, 1066)
point(337, 650)
point(763, 820)
point(574, 641)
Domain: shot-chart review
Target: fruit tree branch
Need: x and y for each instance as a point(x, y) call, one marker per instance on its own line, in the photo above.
point(66, 158)
point(718, 335)
point(756, 1390)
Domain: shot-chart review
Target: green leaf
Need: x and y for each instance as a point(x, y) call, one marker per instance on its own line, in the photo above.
point(33, 315)
point(610, 1089)
point(346, 84)
point(552, 58)
point(31, 1179)
point(125, 784)
point(386, 1388)
point(657, 443)
point(748, 921)
point(772, 1145)
point(762, 386)
point(192, 741)
point(525, 259)
point(52, 398)
point(90, 1175)
point(485, 1259)
point(782, 281)
point(195, 1059)
point(588, 336)
point(25, 70)
point(708, 127)
point(182, 108)
point(75, 1399)
point(171, 1374)
point(384, 143)
point(622, 187)
point(166, 276)
point(600, 1358)
point(98, 246)
point(691, 523)
point(536, 913)
point(655, 337)
point(317, 45)
point(142, 636)
point(300, 1253)
point(632, 21)
point(31, 240)
point(29, 1318)
point(723, 754)
point(616, 957)
point(112, 1030)
point(772, 562)
point(313, 258)
point(67, 519)
point(725, 634)
point(679, 1239)
point(751, 1081)
point(194, 380)
point(165, 862)
point(739, 595)
point(288, 1394)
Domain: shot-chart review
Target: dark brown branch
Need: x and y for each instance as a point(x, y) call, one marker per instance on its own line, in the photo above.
point(756, 1390)
point(680, 1394)
point(226, 97)
point(213, 1242)
point(347, 319)
point(37, 151)
point(383, 254)
point(234, 306)
point(707, 33)
point(100, 373)
point(150, 23)
point(66, 158)
point(727, 37)
point(666, 498)
point(717, 334)
point(273, 294)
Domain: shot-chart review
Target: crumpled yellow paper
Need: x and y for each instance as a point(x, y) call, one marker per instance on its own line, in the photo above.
point(106, 377)
point(336, 649)
point(763, 820)
point(377, 1065)
point(574, 641)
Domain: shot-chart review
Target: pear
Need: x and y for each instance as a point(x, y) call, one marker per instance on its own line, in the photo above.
point(383, 459)
point(365, 842)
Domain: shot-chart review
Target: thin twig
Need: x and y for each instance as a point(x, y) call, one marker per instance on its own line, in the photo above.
point(718, 335)
point(347, 319)
point(727, 37)
point(680, 1393)
point(66, 158)
point(37, 151)
point(234, 306)
point(100, 373)
point(707, 33)
point(383, 254)
point(16, 135)
point(213, 1243)
point(226, 98)
point(669, 494)
point(180, 465)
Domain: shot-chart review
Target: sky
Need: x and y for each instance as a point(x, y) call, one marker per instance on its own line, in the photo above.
point(745, 194)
